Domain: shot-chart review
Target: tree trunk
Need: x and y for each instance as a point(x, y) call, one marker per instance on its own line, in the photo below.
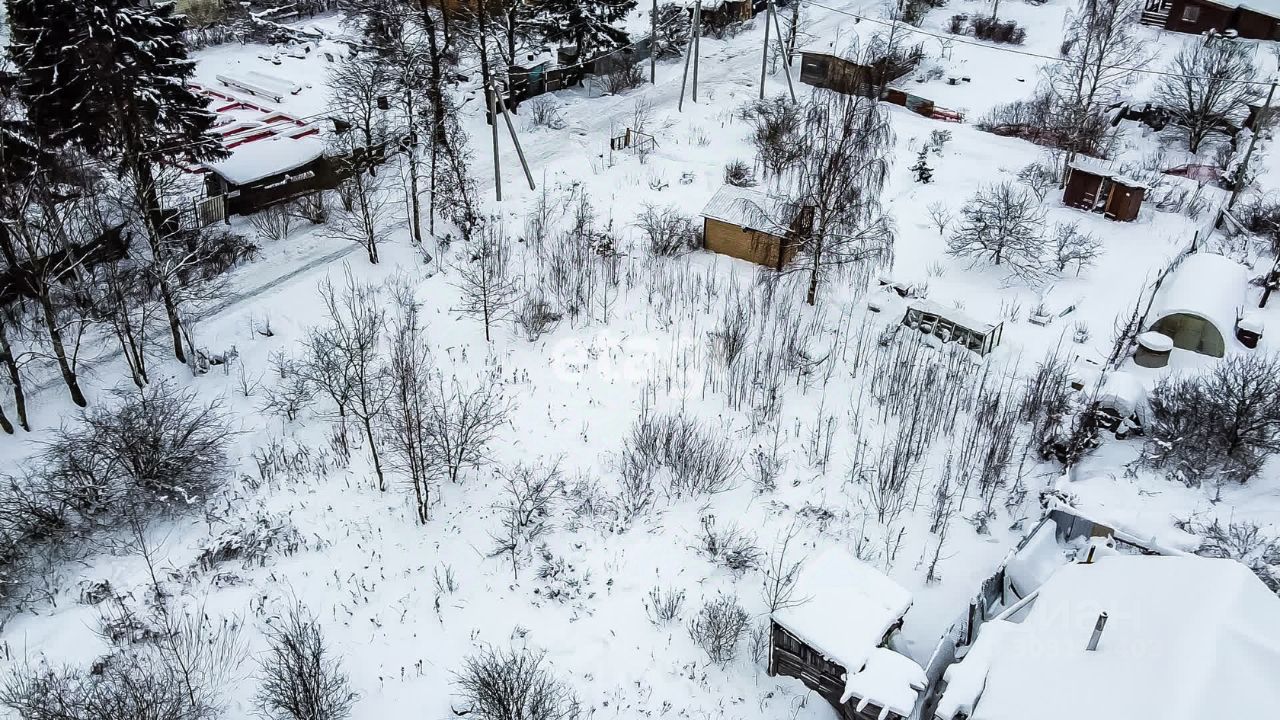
point(149, 202)
point(812, 297)
point(373, 450)
point(415, 210)
point(50, 316)
point(15, 378)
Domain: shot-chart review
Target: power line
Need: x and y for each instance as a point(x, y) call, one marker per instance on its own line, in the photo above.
point(1026, 53)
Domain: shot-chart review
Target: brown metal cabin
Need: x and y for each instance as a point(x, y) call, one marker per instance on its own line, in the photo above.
point(739, 222)
point(1255, 21)
point(1094, 187)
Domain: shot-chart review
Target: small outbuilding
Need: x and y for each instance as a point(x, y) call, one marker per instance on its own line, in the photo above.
point(744, 223)
point(1138, 637)
point(1093, 186)
point(952, 325)
point(823, 67)
point(1254, 20)
point(1199, 304)
point(270, 171)
point(835, 638)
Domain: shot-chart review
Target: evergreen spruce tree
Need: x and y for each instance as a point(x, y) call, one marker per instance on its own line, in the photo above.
point(109, 75)
point(923, 172)
point(587, 23)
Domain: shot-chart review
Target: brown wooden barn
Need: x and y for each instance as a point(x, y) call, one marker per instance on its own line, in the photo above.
point(718, 14)
point(1258, 20)
point(836, 640)
point(742, 223)
point(823, 68)
point(1093, 186)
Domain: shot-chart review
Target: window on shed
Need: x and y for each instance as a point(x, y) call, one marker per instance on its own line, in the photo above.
point(1190, 13)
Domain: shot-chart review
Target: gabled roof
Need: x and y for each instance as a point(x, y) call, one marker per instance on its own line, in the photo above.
point(1186, 638)
point(748, 209)
point(262, 159)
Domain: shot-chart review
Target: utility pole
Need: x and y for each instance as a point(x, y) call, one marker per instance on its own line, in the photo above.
point(689, 53)
point(1241, 172)
point(782, 48)
point(502, 105)
point(493, 123)
point(764, 59)
point(653, 44)
point(697, 44)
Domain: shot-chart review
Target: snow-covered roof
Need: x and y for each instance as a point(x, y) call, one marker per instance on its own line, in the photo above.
point(1036, 561)
point(844, 607)
point(1123, 392)
point(889, 679)
point(746, 208)
point(955, 315)
point(1102, 168)
point(1186, 638)
point(1265, 7)
point(1210, 286)
point(262, 159)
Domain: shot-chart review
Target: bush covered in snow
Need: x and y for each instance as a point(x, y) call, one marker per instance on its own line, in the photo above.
point(1219, 425)
point(501, 684)
point(718, 628)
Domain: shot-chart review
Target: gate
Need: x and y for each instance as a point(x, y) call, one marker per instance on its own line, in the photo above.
point(210, 210)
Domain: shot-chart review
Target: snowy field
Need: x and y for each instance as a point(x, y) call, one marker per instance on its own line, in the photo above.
point(404, 603)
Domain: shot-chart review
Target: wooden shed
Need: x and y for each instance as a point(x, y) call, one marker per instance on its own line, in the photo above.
point(837, 641)
point(1258, 20)
point(743, 223)
point(1093, 186)
point(829, 70)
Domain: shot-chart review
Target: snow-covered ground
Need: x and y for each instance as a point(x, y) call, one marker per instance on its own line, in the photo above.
point(371, 572)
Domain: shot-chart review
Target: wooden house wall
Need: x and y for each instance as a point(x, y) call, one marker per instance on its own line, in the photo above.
point(1082, 189)
point(1248, 23)
point(750, 245)
point(1123, 202)
point(1255, 25)
point(1211, 17)
point(790, 656)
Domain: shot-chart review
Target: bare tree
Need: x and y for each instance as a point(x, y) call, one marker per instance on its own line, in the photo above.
point(461, 423)
point(1101, 44)
point(364, 213)
point(1207, 84)
point(1002, 223)
point(489, 292)
point(1222, 424)
point(1072, 246)
point(359, 88)
point(781, 572)
point(834, 208)
point(526, 508)
point(776, 126)
point(408, 415)
point(300, 677)
point(940, 216)
point(513, 685)
point(351, 344)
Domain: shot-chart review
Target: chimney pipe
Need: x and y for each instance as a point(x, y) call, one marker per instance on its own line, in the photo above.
point(1097, 631)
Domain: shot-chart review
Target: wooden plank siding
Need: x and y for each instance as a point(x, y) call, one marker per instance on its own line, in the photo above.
point(1199, 16)
point(750, 245)
point(791, 657)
